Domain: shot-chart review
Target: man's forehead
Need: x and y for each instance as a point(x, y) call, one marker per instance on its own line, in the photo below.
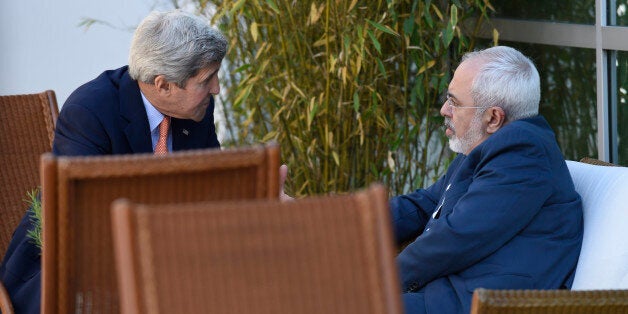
point(208, 71)
point(465, 73)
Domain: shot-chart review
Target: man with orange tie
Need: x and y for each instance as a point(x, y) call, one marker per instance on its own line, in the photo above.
point(172, 74)
point(162, 101)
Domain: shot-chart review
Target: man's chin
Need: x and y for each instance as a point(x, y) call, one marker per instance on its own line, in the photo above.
point(454, 145)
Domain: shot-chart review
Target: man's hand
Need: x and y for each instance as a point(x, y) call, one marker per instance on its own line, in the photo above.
point(283, 174)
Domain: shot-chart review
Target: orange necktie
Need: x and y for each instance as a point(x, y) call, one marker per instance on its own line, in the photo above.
point(162, 144)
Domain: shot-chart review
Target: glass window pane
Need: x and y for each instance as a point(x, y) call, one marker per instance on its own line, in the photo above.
point(622, 107)
point(568, 98)
point(573, 11)
point(618, 14)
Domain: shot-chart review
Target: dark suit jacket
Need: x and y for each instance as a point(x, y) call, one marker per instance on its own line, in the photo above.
point(102, 117)
point(107, 116)
point(509, 218)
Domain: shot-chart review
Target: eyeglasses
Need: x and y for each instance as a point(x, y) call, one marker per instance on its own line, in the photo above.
point(452, 104)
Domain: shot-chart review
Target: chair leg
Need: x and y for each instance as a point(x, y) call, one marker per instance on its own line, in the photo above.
point(6, 307)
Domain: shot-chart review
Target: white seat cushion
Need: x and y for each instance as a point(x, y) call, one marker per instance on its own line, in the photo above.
point(603, 262)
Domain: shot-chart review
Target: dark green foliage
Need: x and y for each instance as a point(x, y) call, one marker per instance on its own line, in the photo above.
point(350, 89)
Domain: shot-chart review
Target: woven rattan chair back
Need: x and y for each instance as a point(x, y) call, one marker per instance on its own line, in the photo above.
point(549, 301)
point(78, 262)
point(26, 131)
point(327, 254)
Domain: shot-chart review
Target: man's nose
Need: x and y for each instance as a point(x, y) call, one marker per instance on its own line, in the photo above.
point(444, 109)
point(214, 86)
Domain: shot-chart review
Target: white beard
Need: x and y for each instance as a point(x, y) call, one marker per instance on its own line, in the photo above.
point(465, 143)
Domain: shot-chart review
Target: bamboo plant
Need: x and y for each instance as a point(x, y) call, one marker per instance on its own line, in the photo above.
point(350, 89)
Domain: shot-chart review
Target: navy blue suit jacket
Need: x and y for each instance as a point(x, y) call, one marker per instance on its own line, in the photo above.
point(504, 217)
point(107, 116)
point(102, 117)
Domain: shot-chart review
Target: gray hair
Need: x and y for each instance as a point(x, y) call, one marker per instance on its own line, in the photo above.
point(174, 44)
point(506, 79)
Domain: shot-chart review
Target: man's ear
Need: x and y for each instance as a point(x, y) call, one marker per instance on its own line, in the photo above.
point(162, 85)
point(496, 118)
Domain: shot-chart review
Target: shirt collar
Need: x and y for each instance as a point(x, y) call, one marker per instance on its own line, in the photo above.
point(154, 116)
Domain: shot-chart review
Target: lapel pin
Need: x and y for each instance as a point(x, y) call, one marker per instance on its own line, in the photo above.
point(186, 132)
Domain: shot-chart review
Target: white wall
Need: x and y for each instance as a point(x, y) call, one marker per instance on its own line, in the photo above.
point(42, 47)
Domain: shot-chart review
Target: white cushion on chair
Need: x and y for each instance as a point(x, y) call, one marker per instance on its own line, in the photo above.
point(603, 262)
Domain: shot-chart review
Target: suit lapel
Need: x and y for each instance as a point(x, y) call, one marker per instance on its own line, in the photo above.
point(187, 134)
point(133, 114)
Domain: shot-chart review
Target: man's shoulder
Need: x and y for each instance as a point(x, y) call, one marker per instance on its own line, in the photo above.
point(525, 137)
point(529, 130)
point(105, 87)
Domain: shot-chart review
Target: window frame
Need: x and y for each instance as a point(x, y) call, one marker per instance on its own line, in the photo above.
point(604, 38)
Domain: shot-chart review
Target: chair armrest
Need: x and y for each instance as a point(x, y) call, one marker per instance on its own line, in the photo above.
point(6, 307)
point(549, 301)
point(598, 162)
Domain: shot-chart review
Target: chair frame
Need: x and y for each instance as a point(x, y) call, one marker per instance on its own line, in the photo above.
point(6, 306)
point(10, 216)
point(22, 179)
point(62, 175)
point(136, 267)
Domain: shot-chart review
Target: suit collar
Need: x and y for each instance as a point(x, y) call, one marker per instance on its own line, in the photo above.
point(132, 112)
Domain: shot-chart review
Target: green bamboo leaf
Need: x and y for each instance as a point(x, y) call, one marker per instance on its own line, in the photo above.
point(237, 6)
point(448, 34)
point(454, 15)
point(359, 32)
point(444, 80)
point(272, 135)
point(375, 100)
point(437, 12)
point(381, 67)
point(273, 6)
point(420, 90)
point(427, 16)
point(397, 142)
point(242, 68)
point(385, 29)
point(347, 45)
point(242, 96)
point(356, 102)
point(376, 43)
point(314, 106)
point(408, 25)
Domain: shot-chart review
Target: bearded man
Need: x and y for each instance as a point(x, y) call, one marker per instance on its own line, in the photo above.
point(505, 215)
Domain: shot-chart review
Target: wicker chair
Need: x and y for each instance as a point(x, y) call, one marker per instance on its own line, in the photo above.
point(6, 306)
point(327, 254)
point(549, 301)
point(78, 262)
point(26, 131)
point(601, 279)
